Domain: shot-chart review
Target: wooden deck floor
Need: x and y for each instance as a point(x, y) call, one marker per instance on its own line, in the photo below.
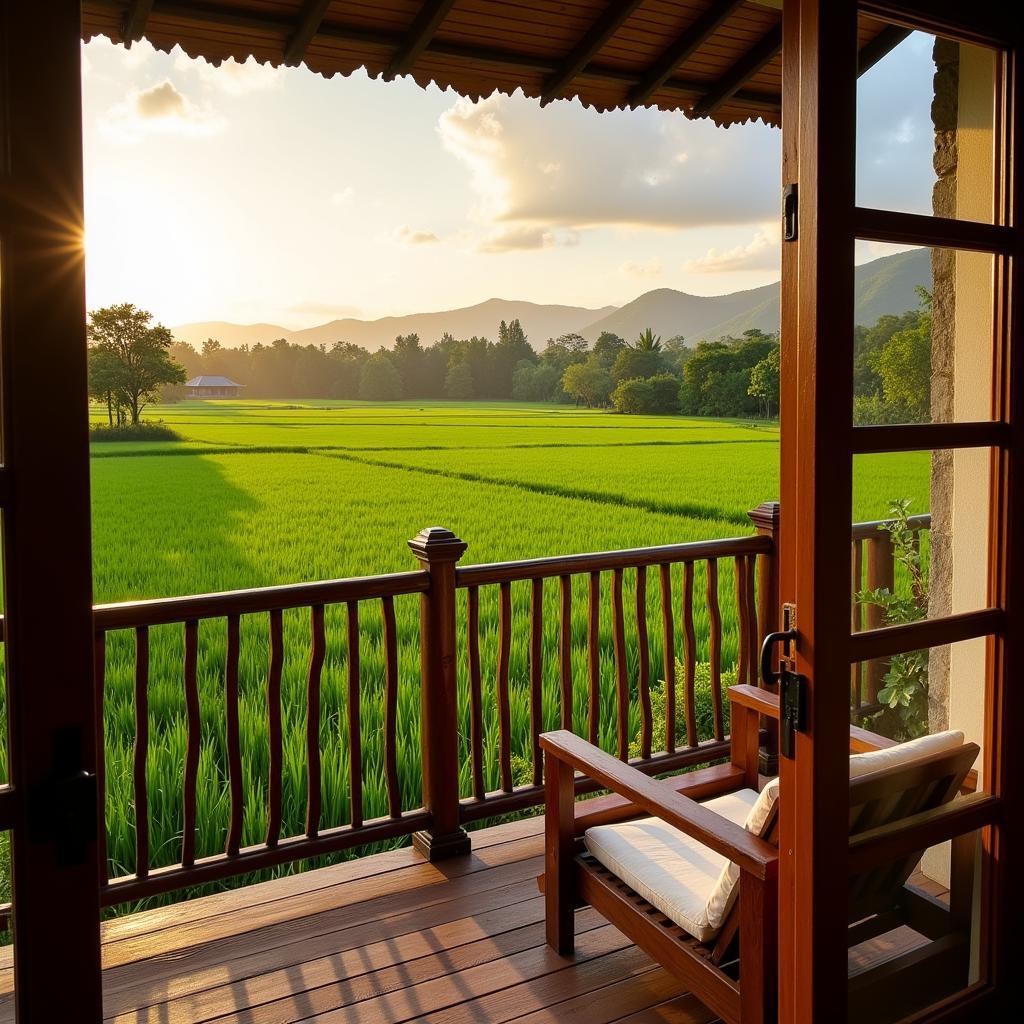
point(387, 938)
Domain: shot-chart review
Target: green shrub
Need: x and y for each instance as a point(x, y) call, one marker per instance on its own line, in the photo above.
point(158, 431)
point(704, 707)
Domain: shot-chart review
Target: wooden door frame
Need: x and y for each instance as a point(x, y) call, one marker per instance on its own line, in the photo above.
point(44, 490)
point(818, 445)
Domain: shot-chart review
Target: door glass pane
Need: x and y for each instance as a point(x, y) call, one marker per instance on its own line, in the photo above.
point(925, 115)
point(922, 336)
point(919, 544)
point(925, 915)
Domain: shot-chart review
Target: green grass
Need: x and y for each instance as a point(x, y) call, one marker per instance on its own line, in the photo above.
point(255, 494)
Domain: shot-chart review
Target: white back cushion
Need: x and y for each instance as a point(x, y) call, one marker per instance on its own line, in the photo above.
point(905, 753)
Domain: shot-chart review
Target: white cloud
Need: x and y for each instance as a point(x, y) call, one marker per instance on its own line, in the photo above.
point(649, 268)
point(411, 236)
point(343, 196)
point(517, 239)
point(159, 109)
point(232, 77)
point(760, 253)
point(570, 168)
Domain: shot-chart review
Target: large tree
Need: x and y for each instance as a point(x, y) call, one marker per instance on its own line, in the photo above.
point(589, 383)
point(131, 357)
point(379, 381)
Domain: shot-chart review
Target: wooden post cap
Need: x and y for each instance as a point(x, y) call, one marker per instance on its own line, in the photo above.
point(435, 543)
point(766, 516)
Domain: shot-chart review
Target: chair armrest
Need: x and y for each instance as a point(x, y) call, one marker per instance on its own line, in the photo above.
point(862, 741)
point(748, 851)
point(907, 836)
point(764, 702)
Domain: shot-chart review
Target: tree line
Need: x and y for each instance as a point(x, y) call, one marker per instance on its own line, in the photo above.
point(132, 362)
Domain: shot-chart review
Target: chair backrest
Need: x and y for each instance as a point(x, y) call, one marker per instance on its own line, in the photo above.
point(889, 795)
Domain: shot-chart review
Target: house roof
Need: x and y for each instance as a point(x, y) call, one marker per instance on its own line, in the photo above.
point(707, 58)
point(208, 381)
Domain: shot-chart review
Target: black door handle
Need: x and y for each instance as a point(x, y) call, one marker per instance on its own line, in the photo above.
point(768, 675)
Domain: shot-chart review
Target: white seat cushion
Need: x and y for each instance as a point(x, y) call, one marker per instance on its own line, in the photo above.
point(670, 870)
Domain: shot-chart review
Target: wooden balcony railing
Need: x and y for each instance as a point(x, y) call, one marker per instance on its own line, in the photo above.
point(872, 567)
point(505, 651)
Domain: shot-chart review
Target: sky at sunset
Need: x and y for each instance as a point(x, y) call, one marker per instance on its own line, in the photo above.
point(250, 194)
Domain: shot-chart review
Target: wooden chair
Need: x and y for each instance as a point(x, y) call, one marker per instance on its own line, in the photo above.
point(897, 809)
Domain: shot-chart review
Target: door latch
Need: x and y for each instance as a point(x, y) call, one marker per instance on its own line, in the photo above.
point(790, 212)
point(63, 808)
point(792, 711)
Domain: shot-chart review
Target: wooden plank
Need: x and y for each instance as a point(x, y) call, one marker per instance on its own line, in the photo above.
point(364, 973)
point(154, 981)
point(438, 996)
point(268, 923)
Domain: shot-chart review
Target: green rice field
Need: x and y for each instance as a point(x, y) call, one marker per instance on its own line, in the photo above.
point(256, 494)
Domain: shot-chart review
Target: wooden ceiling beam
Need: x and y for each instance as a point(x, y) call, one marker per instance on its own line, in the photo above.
point(769, 45)
point(742, 71)
point(310, 19)
point(683, 48)
point(134, 23)
point(884, 43)
point(423, 29)
point(614, 16)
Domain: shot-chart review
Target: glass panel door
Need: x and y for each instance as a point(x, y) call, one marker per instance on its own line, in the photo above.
point(894, 886)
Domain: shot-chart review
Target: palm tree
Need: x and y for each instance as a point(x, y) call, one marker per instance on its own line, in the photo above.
point(648, 341)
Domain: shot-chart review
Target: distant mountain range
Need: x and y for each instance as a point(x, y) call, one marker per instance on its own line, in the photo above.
point(885, 285)
point(539, 321)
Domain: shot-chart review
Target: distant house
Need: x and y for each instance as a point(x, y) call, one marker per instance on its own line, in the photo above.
point(212, 387)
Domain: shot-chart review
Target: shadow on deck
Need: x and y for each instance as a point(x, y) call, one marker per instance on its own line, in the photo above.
point(389, 938)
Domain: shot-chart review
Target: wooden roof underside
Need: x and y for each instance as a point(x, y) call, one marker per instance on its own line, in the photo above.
point(707, 58)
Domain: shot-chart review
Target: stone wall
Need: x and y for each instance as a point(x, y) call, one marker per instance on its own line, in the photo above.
point(944, 119)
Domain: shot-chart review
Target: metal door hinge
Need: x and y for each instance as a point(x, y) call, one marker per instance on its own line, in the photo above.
point(790, 212)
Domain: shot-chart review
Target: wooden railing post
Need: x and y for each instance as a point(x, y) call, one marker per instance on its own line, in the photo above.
point(766, 521)
point(438, 551)
point(881, 573)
